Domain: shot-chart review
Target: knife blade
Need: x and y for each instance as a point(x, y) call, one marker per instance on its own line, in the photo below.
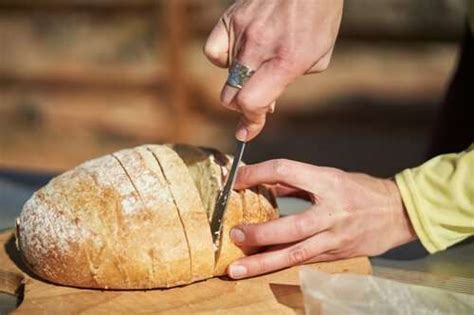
point(221, 203)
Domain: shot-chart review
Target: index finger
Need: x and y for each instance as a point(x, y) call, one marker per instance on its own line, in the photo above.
point(260, 92)
point(311, 178)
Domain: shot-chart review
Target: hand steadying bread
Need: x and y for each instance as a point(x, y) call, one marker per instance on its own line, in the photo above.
point(137, 219)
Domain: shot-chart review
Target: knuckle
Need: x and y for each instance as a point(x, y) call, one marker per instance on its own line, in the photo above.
point(287, 59)
point(262, 267)
point(298, 255)
point(214, 54)
point(288, 64)
point(341, 219)
point(255, 128)
point(255, 234)
point(337, 244)
point(280, 167)
point(330, 221)
point(287, 53)
point(301, 227)
point(349, 209)
point(253, 113)
point(337, 177)
point(245, 102)
point(257, 264)
point(209, 51)
point(343, 241)
point(239, 19)
point(243, 174)
point(258, 35)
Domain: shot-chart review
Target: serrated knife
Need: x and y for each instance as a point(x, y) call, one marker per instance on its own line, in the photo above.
point(221, 203)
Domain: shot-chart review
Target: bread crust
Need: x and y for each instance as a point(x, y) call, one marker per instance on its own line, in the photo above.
point(268, 205)
point(89, 227)
point(47, 237)
point(135, 220)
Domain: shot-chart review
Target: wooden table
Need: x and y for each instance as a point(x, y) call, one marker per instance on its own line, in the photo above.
point(278, 292)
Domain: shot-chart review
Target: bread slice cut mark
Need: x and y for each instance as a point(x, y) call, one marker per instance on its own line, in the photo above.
point(161, 223)
point(177, 210)
point(117, 196)
point(114, 155)
point(151, 269)
point(151, 273)
point(190, 209)
point(98, 170)
point(175, 256)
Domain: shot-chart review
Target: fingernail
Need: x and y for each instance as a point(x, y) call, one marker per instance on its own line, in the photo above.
point(237, 271)
point(237, 235)
point(241, 133)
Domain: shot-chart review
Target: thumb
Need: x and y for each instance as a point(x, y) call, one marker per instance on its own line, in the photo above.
point(249, 129)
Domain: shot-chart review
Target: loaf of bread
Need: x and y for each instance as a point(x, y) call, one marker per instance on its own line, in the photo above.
point(137, 219)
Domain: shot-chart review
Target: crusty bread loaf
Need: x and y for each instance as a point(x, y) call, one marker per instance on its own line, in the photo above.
point(137, 219)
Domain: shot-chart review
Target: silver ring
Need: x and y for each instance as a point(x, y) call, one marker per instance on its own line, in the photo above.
point(238, 75)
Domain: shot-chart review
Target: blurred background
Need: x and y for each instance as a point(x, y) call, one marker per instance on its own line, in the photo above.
point(82, 78)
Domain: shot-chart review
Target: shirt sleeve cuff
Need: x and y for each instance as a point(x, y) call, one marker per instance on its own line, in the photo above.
point(418, 220)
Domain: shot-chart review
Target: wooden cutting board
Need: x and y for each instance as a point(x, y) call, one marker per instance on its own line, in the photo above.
point(276, 293)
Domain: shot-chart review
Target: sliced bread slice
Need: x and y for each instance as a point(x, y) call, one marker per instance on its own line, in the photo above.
point(166, 242)
point(191, 210)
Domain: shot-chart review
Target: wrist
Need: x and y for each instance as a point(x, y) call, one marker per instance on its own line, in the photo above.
point(401, 226)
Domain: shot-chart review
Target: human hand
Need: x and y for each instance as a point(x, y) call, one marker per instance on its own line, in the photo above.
point(352, 215)
point(281, 40)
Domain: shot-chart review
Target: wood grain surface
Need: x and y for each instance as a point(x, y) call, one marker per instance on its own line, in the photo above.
point(276, 293)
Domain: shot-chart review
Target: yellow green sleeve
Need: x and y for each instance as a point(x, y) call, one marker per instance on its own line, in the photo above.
point(439, 198)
